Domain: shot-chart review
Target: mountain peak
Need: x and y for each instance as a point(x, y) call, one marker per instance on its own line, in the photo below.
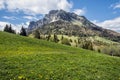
point(56, 11)
point(58, 15)
point(55, 15)
point(60, 21)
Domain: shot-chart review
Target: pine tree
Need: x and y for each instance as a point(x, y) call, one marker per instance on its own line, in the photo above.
point(9, 29)
point(6, 28)
point(23, 31)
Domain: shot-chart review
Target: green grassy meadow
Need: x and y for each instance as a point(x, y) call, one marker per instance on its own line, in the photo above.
point(24, 58)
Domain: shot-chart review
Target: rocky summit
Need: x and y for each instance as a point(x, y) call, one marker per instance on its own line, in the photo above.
point(67, 23)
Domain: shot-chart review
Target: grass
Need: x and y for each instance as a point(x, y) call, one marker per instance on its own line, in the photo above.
point(23, 58)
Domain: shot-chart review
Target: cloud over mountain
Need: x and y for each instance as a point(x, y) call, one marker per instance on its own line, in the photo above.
point(34, 7)
point(113, 24)
point(79, 11)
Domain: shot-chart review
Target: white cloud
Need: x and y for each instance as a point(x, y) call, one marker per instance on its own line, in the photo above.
point(116, 6)
point(113, 24)
point(33, 7)
point(2, 5)
point(10, 17)
point(79, 11)
point(16, 27)
point(30, 17)
point(2, 24)
point(27, 24)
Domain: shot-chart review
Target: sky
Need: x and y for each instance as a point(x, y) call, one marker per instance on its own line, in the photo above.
point(104, 13)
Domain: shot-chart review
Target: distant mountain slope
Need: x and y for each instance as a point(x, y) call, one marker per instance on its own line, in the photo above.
point(62, 22)
point(23, 58)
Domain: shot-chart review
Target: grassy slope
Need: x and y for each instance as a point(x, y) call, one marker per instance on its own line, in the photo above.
point(33, 59)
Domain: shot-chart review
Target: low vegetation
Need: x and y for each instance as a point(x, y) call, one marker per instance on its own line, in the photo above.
point(95, 43)
point(24, 58)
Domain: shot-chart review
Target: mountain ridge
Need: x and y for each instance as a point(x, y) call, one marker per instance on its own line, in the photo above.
point(70, 23)
point(55, 15)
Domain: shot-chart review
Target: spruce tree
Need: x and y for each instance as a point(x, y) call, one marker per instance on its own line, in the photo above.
point(6, 28)
point(23, 31)
point(9, 29)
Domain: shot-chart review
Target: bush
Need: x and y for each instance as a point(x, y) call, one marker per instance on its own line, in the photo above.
point(36, 34)
point(66, 42)
point(71, 40)
point(48, 37)
point(113, 51)
point(88, 45)
point(56, 38)
point(99, 50)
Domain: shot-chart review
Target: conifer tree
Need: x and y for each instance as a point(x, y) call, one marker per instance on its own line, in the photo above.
point(6, 28)
point(23, 31)
point(9, 29)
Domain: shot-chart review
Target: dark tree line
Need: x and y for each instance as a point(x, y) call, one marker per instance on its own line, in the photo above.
point(8, 28)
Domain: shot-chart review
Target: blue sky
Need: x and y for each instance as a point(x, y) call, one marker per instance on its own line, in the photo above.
point(105, 13)
point(98, 9)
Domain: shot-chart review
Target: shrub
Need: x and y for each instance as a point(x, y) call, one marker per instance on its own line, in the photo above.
point(56, 38)
point(66, 42)
point(113, 51)
point(88, 45)
point(99, 50)
point(62, 37)
point(71, 40)
point(48, 37)
point(36, 34)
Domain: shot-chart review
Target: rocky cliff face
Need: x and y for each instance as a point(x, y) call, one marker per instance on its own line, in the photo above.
point(56, 15)
point(62, 22)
